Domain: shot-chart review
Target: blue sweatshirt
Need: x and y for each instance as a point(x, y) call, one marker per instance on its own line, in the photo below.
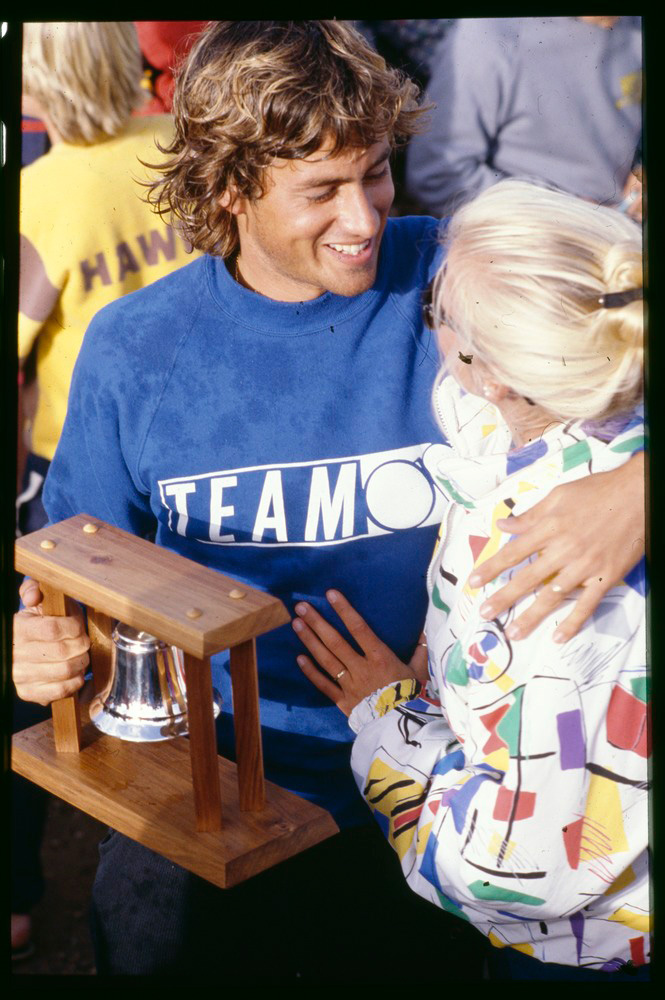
point(279, 443)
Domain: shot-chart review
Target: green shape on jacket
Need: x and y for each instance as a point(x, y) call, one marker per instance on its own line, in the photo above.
point(456, 668)
point(640, 687)
point(576, 454)
point(632, 444)
point(450, 907)
point(509, 727)
point(457, 497)
point(438, 602)
point(485, 890)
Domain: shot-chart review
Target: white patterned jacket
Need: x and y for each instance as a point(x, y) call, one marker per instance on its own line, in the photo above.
point(514, 788)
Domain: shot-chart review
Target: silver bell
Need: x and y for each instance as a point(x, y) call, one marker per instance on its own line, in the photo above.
point(145, 699)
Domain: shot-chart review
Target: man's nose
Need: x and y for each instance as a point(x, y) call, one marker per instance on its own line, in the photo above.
point(358, 213)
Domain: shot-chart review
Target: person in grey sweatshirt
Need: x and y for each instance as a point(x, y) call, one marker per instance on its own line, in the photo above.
point(553, 99)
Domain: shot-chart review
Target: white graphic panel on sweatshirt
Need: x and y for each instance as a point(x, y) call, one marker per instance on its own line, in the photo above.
point(306, 503)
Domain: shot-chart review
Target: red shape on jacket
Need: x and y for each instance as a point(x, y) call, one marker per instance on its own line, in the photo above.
point(628, 722)
point(505, 800)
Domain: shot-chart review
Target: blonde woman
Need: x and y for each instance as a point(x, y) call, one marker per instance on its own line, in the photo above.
point(513, 783)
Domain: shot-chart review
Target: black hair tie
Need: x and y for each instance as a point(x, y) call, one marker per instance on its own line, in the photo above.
point(614, 300)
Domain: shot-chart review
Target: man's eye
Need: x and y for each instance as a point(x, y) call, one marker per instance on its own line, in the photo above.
point(324, 196)
point(377, 177)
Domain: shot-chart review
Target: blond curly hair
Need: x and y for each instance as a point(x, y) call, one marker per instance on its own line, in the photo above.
point(253, 91)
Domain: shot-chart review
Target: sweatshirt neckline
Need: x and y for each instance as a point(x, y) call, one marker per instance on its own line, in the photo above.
point(260, 314)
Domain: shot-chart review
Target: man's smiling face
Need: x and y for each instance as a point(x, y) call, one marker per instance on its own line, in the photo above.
point(319, 225)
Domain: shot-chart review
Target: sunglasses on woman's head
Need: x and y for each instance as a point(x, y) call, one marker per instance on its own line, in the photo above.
point(433, 321)
point(430, 319)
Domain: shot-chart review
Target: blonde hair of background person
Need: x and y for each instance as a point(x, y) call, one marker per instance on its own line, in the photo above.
point(542, 329)
point(239, 105)
point(86, 74)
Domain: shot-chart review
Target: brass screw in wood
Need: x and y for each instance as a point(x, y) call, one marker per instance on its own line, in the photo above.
point(194, 613)
point(91, 529)
point(48, 543)
point(237, 595)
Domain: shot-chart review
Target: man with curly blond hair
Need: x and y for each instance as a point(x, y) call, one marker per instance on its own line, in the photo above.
point(265, 411)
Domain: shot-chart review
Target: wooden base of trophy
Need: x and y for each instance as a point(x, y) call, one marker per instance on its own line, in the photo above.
point(166, 795)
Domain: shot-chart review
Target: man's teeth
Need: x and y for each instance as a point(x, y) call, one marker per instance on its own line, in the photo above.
point(351, 248)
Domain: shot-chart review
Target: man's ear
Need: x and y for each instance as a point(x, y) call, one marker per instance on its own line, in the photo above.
point(233, 202)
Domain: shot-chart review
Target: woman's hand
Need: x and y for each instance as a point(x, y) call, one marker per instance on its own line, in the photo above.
point(589, 534)
point(351, 677)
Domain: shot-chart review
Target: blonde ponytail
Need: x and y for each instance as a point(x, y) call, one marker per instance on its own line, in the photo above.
point(528, 269)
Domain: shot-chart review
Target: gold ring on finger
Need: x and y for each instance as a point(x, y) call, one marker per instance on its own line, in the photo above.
point(557, 588)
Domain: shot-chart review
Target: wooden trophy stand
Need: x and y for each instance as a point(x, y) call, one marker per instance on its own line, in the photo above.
point(167, 795)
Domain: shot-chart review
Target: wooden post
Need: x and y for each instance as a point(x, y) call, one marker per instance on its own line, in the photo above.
point(66, 712)
point(203, 744)
point(249, 753)
point(100, 630)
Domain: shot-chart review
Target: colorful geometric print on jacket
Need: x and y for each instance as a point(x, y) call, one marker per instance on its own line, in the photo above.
point(515, 788)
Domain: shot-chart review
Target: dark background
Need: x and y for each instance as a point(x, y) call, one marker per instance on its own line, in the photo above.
point(60, 919)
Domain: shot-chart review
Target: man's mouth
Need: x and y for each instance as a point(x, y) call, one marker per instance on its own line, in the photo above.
point(350, 249)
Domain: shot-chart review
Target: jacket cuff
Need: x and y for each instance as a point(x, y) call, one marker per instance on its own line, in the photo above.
point(382, 701)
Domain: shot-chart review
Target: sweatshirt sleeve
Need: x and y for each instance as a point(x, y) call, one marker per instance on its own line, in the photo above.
point(470, 88)
point(541, 807)
point(95, 467)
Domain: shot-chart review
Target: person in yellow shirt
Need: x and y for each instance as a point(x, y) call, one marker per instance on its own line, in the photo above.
point(87, 237)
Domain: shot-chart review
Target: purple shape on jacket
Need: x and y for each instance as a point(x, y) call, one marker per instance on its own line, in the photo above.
point(572, 748)
point(525, 456)
point(577, 927)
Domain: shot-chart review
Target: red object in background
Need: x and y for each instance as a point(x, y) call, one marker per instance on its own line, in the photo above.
point(164, 44)
point(32, 125)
